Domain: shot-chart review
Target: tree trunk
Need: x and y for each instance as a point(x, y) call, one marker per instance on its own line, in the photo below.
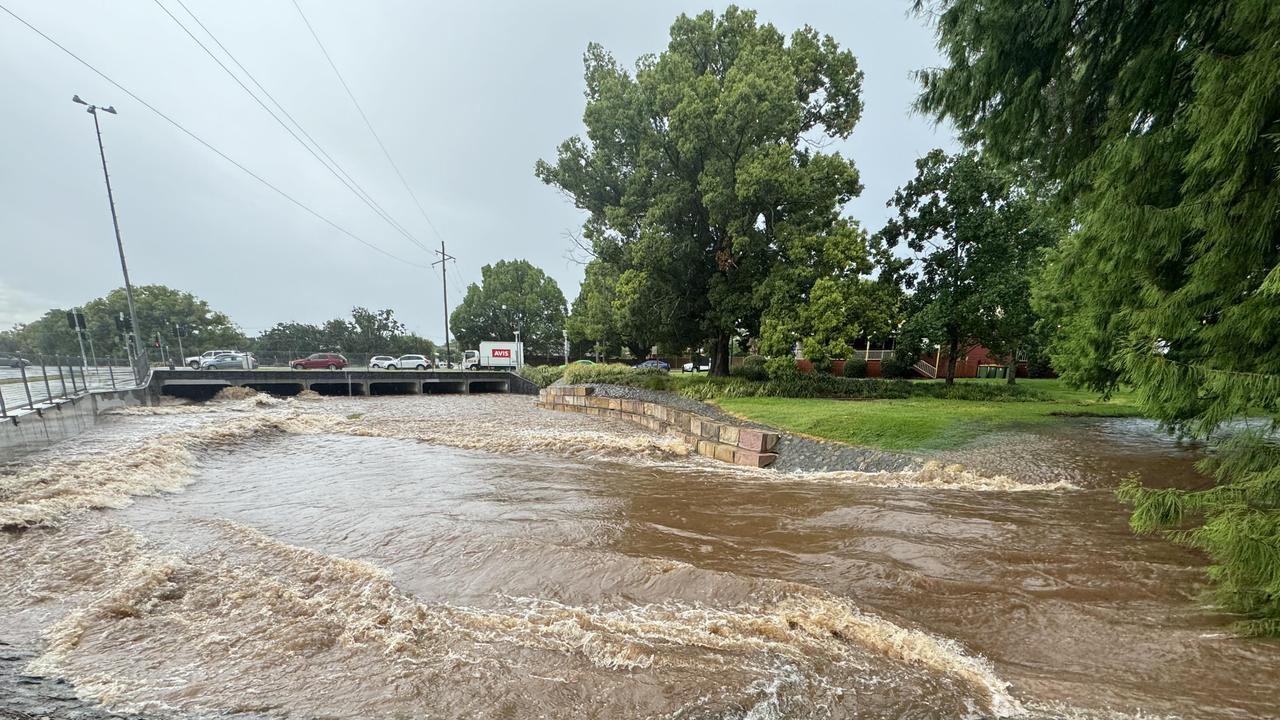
point(1012, 370)
point(953, 349)
point(720, 356)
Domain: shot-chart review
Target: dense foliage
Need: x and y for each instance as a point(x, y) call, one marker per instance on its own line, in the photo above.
point(711, 214)
point(542, 375)
point(513, 296)
point(616, 374)
point(371, 332)
point(160, 309)
point(978, 237)
point(855, 367)
point(829, 386)
point(1158, 122)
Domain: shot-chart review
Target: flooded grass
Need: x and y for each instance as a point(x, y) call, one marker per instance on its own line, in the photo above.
point(922, 423)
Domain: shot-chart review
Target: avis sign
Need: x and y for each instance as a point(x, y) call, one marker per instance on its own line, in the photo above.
point(502, 353)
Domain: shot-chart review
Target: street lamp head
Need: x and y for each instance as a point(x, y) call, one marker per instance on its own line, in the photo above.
point(76, 99)
point(111, 109)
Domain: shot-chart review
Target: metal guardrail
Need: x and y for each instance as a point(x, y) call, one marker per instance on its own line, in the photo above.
point(31, 383)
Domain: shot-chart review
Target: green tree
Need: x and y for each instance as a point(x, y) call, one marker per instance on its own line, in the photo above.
point(699, 168)
point(160, 309)
point(824, 297)
point(592, 319)
point(289, 337)
point(1158, 119)
point(374, 331)
point(513, 296)
point(977, 236)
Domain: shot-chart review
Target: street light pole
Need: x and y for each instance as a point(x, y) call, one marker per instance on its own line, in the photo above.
point(115, 223)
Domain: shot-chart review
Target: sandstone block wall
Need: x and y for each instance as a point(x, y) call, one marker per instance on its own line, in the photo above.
point(704, 435)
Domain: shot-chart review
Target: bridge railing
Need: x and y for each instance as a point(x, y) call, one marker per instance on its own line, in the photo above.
point(29, 383)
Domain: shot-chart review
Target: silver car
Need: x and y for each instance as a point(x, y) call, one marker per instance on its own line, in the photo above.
point(230, 361)
point(381, 362)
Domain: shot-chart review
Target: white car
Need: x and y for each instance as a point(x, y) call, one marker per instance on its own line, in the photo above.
point(194, 362)
point(230, 361)
point(410, 362)
point(381, 362)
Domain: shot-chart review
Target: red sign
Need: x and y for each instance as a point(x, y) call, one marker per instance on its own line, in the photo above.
point(501, 353)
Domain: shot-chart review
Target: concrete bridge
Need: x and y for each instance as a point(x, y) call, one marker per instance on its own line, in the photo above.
point(204, 383)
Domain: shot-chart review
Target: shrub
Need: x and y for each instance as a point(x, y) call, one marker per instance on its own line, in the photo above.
point(617, 374)
point(542, 376)
point(978, 391)
point(855, 368)
point(781, 368)
point(894, 367)
point(752, 368)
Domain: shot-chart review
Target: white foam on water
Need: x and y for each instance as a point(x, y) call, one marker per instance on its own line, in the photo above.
point(41, 494)
point(297, 601)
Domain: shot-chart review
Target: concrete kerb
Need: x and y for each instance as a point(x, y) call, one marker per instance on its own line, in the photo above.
point(705, 436)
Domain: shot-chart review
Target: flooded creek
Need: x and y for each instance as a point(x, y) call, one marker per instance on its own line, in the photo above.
point(477, 557)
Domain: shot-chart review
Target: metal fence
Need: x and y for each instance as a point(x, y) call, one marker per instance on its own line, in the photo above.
point(33, 382)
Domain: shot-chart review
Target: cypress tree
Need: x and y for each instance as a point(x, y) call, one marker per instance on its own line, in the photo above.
point(1159, 121)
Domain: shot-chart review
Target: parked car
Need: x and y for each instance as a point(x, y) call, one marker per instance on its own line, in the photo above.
point(442, 365)
point(698, 366)
point(315, 361)
point(196, 361)
point(230, 361)
point(653, 365)
point(380, 362)
point(411, 362)
point(13, 361)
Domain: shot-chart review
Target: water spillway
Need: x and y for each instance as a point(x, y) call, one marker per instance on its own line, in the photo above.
point(471, 556)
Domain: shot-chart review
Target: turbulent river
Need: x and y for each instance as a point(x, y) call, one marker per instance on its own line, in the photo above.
point(453, 556)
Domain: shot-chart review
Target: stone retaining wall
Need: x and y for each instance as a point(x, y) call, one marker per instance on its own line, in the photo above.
point(703, 435)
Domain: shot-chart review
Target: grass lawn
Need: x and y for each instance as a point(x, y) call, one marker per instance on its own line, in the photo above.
point(924, 423)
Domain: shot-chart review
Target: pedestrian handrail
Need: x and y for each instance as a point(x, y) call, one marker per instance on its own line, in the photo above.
point(926, 368)
point(32, 383)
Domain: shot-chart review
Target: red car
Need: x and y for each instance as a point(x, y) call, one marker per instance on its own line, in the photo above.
point(331, 361)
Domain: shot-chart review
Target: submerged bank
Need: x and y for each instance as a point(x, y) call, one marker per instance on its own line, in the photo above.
point(470, 556)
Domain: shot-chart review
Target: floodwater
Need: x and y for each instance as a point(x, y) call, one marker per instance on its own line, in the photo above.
point(451, 556)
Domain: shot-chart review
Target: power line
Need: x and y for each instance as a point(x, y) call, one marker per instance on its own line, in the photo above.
point(215, 150)
point(368, 124)
point(349, 182)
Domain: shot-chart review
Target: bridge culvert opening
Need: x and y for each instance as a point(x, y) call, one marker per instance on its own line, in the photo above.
point(444, 388)
point(199, 393)
point(338, 388)
point(277, 389)
point(488, 386)
point(393, 388)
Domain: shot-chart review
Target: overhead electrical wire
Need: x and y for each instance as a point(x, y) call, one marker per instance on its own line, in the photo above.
point(367, 123)
point(206, 144)
point(339, 173)
point(288, 115)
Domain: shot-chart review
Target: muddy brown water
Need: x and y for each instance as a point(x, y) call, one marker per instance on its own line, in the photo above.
point(477, 557)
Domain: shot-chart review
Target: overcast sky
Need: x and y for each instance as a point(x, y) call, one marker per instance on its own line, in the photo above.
point(466, 97)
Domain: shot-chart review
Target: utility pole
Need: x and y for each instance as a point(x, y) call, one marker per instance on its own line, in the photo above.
point(76, 320)
point(115, 222)
point(177, 330)
point(444, 277)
